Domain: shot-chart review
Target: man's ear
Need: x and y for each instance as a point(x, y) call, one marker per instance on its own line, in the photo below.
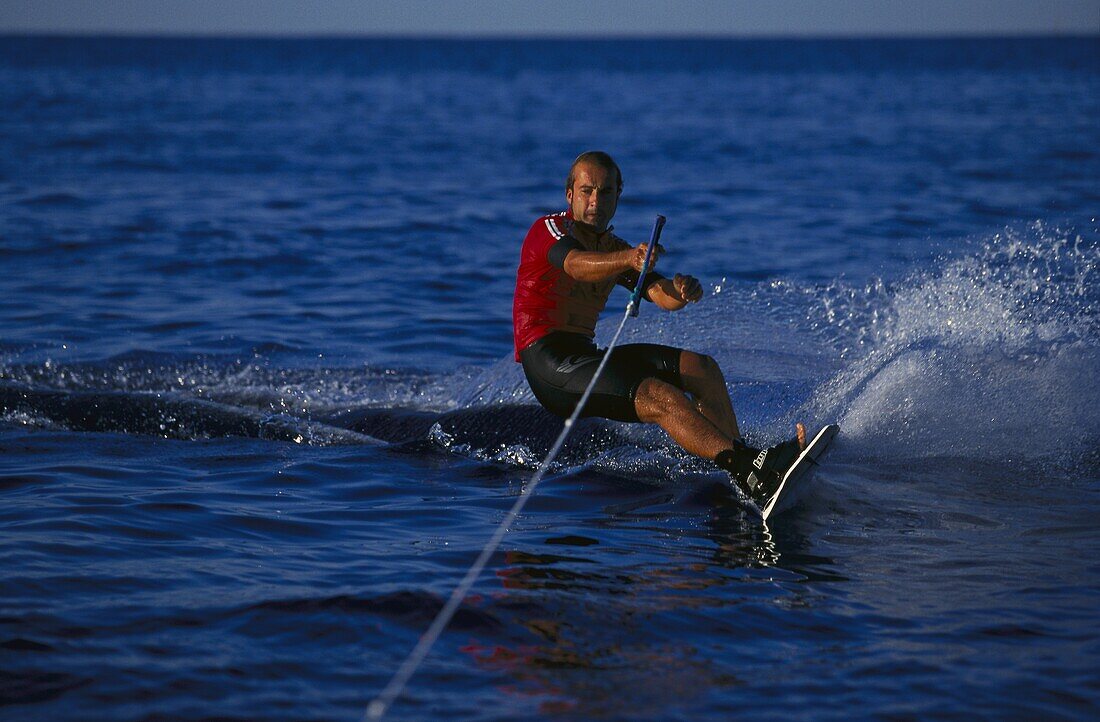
point(569, 196)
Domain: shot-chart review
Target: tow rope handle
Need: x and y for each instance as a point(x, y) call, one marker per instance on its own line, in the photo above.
point(636, 297)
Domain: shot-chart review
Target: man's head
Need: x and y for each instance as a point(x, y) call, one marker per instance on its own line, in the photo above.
point(593, 188)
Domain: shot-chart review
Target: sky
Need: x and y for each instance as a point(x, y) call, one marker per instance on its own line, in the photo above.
point(595, 18)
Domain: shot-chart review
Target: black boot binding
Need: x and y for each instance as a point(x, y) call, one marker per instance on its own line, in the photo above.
point(758, 473)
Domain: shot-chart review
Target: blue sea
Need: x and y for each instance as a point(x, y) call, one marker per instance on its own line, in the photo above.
point(259, 413)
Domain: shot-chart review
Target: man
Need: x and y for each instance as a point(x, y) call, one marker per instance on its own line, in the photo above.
point(569, 263)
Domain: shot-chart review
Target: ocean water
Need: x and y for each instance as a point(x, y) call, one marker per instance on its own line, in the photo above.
point(258, 412)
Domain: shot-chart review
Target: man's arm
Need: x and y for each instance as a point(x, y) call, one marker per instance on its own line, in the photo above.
point(674, 293)
point(600, 265)
point(671, 294)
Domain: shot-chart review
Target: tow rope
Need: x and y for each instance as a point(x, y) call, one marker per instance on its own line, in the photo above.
point(380, 704)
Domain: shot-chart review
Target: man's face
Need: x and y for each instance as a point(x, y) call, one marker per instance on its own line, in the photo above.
point(594, 195)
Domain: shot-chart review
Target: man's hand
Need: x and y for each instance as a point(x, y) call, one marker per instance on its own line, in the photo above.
point(637, 257)
point(687, 287)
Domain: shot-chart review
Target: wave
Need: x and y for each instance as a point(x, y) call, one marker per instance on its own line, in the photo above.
point(990, 353)
point(167, 415)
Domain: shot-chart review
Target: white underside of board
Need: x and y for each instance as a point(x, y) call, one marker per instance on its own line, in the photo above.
point(797, 477)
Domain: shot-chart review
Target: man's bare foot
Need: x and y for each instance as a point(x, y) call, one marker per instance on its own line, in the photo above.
point(800, 431)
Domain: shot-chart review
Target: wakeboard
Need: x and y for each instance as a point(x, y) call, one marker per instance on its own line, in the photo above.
point(798, 476)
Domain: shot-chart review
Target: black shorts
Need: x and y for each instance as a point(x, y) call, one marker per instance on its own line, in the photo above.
point(559, 367)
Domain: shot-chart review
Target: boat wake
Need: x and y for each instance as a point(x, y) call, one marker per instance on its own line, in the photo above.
point(991, 354)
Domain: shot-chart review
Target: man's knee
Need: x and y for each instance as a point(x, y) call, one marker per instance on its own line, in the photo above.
point(656, 399)
point(698, 364)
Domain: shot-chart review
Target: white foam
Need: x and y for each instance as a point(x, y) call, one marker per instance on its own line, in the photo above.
point(993, 355)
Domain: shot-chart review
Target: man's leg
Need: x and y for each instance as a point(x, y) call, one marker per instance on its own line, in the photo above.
point(659, 402)
point(702, 378)
point(758, 473)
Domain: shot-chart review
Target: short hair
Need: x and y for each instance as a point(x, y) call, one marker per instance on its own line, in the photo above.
point(596, 157)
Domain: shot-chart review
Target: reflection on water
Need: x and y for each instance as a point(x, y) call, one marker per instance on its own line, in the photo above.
point(605, 620)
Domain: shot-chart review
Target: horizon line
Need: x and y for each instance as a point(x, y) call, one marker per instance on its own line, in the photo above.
point(259, 35)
